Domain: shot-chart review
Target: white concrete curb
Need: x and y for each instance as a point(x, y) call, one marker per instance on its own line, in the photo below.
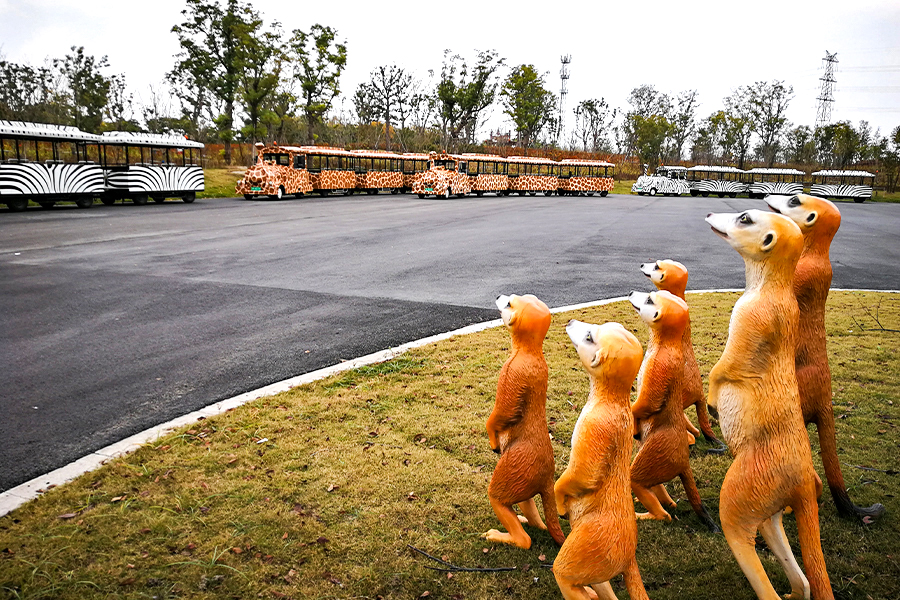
point(19, 495)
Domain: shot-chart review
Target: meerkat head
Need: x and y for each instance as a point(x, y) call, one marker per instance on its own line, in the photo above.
point(524, 315)
point(758, 235)
point(810, 213)
point(661, 310)
point(607, 350)
point(667, 275)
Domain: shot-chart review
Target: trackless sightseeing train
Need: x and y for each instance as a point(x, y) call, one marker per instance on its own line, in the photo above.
point(297, 170)
point(50, 163)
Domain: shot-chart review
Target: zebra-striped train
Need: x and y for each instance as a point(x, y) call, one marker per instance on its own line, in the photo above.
point(703, 180)
point(49, 163)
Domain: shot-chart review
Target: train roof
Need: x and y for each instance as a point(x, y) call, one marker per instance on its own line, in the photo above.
point(837, 173)
point(327, 150)
point(584, 162)
point(132, 138)
point(46, 131)
point(376, 154)
point(531, 159)
point(764, 171)
point(716, 169)
point(477, 156)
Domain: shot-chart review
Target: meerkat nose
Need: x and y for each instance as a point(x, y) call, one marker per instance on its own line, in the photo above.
point(708, 215)
point(570, 322)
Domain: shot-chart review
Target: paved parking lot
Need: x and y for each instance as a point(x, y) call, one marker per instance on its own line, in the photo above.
point(118, 318)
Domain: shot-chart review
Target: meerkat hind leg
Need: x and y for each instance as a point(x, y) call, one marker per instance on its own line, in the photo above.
point(742, 544)
point(604, 591)
point(651, 503)
point(510, 520)
point(663, 495)
point(772, 531)
point(530, 514)
point(690, 427)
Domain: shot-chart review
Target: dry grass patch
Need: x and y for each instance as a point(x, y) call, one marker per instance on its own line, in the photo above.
point(315, 493)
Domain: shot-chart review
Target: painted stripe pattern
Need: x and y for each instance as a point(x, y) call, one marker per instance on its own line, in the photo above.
point(765, 188)
point(36, 179)
point(140, 178)
point(827, 190)
point(719, 186)
point(663, 185)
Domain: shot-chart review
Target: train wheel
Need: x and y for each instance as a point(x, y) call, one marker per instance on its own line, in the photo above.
point(108, 201)
point(421, 196)
point(139, 200)
point(159, 199)
point(17, 204)
point(248, 196)
point(479, 193)
point(694, 193)
point(189, 197)
point(652, 191)
point(603, 194)
point(47, 204)
point(280, 193)
point(859, 200)
point(84, 202)
point(704, 194)
point(447, 193)
point(721, 194)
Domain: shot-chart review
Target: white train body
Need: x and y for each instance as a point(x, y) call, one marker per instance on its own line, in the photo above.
point(48, 163)
point(831, 183)
point(722, 181)
point(668, 181)
point(149, 165)
point(765, 182)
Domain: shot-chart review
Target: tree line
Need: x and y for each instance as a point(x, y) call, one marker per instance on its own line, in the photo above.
point(238, 78)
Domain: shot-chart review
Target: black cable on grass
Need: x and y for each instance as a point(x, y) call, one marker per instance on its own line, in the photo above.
point(455, 569)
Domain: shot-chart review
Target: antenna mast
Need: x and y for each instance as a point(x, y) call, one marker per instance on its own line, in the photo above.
point(563, 91)
point(826, 91)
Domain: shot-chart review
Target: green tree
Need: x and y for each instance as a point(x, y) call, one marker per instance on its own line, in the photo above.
point(385, 96)
point(317, 66)
point(766, 104)
point(210, 61)
point(683, 122)
point(88, 87)
point(650, 135)
point(32, 94)
point(463, 93)
point(800, 146)
point(593, 119)
point(738, 126)
point(261, 57)
point(529, 104)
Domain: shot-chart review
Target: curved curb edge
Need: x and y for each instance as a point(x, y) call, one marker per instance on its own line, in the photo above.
point(15, 497)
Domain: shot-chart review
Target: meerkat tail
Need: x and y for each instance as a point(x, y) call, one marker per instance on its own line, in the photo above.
point(548, 499)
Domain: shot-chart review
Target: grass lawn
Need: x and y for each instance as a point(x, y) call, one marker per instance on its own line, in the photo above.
point(316, 492)
point(220, 183)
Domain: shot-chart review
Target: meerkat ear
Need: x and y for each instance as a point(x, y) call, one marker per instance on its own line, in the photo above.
point(599, 357)
point(513, 318)
point(811, 218)
point(769, 241)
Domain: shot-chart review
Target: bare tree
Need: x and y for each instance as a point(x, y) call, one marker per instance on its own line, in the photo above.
point(593, 119)
point(766, 104)
point(683, 122)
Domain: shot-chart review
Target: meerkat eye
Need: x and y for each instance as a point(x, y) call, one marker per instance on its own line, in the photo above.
point(745, 219)
point(589, 338)
point(794, 201)
point(649, 301)
point(656, 267)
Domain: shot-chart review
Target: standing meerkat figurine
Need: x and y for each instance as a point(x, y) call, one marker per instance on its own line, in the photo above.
point(819, 220)
point(595, 492)
point(658, 414)
point(517, 428)
point(754, 389)
point(672, 276)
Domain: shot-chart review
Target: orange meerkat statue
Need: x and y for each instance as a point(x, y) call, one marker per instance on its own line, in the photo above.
point(672, 276)
point(517, 428)
point(594, 492)
point(658, 414)
point(754, 389)
point(819, 220)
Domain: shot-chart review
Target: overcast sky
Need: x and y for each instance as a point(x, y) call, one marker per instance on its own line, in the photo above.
point(712, 47)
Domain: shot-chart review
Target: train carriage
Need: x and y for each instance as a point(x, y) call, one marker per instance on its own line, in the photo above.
point(279, 171)
point(667, 180)
point(47, 164)
point(530, 175)
point(446, 176)
point(378, 171)
point(723, 181)
point(580, 177)
point(831, 183)
point(487, 173)
point(413, 164)
point(764, 182)
point(141, 166)
point(331, 170)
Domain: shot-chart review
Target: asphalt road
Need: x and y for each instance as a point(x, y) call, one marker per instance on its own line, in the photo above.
point(118, 318)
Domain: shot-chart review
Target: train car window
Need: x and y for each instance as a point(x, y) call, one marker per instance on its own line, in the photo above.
point(513, 169)
point(157, 156)
point(8, 150)
point(113, 155)
point(462, 167)
point(27, 150)
point(89, 153)
point(66, 152)
point(299, 161)
point(45, 151)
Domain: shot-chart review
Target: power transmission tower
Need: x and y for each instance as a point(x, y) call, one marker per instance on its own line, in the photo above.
point(563, 90)
point(826, 91)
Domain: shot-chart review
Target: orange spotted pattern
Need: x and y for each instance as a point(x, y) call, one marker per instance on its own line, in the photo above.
point(533, 183)
point(269, 177)
point(489, 183)
point(333, 180)
point(577, 185)
point(379, 180)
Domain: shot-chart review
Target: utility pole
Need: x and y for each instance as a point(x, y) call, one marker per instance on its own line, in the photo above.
point(826, 90)
point(563, 91)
